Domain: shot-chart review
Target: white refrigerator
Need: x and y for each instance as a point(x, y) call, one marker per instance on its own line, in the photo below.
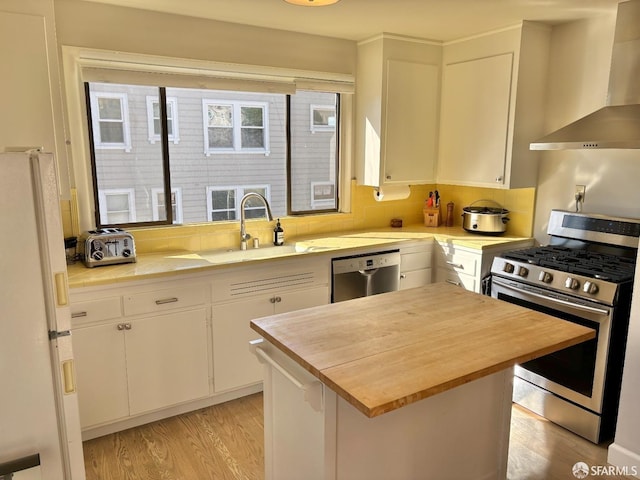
point(38, 403)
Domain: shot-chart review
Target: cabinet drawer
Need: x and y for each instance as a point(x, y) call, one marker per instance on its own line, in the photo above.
point(415, 261)
point(451, 276)
point(460, 262)
point(93, 311)
point(167, 299)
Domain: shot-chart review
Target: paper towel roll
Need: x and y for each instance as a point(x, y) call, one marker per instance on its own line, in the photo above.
point(391, 192)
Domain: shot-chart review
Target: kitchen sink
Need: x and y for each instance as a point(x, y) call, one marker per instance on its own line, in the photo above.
point(231, 256)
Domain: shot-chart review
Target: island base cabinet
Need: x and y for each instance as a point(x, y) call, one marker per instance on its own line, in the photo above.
point(460, 433)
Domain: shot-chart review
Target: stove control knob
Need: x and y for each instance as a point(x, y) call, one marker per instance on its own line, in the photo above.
point(590, 287)
point(545, 277)
point(508, 268)
point(523, 272)
point(572, 283)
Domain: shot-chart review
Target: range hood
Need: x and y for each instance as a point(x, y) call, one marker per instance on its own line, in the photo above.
point(616, 125)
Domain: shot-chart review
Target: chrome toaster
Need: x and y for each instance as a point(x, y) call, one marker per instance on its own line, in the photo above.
point(107, 246)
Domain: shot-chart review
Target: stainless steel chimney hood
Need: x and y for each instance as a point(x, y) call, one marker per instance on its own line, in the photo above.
point(616, 125)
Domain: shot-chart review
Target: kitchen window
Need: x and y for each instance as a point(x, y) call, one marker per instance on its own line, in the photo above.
point(154, 119)
point(252, 140)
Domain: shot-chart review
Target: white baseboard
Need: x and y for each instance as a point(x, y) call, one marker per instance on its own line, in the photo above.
point(135, 421)
point(622, 457)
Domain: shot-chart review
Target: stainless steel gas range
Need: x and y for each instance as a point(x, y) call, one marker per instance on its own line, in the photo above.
point(584, 275)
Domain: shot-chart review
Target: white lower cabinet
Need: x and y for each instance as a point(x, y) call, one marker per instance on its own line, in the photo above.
point(152, 349)
point(139, 365)
point(466, 267)
point(415, 265)
point(167, 360)
point(101, 374)
point(285, 289)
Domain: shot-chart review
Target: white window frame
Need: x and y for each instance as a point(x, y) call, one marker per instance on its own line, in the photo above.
point(320, 203)
point(174, 135)
point(321, 128)
point(131, 200)
point(239, 191)
point(155, 203)
point(124, 110)
point(237, 126)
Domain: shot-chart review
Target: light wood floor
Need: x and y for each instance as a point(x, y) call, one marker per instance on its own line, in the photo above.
point(226, 442)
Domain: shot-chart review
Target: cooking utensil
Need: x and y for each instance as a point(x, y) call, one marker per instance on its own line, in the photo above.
point(488, 220)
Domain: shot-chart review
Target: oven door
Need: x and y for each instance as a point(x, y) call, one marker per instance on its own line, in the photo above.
point(575, 373)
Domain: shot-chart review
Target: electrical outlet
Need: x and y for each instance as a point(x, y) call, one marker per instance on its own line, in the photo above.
point(581, 190)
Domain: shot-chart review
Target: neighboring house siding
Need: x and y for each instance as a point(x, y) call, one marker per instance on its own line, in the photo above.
point(317, 149)
point(192, 170)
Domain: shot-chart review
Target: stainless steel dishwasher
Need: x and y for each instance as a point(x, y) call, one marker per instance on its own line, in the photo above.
point(363, 275)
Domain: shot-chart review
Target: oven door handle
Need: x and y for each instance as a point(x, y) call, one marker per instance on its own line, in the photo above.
point(584, 308)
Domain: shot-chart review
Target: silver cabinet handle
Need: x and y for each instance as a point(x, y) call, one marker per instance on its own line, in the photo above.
point(278, 299)
point(455, 265)
point(120, 326)
point(123, 326)
point(453, 282)
point(127, 326)
point(78, 314)
point(167, 300)
point(402, 275)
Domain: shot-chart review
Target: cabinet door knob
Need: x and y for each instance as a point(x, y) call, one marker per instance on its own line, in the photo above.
point(120, 326)
point(272, 299)
point(499, 179)
point(127, 326)
point(388, 177)
point(278, 299)
point(402, 275)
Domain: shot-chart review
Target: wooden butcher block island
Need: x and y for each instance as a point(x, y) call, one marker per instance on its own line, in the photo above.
point(442, 353)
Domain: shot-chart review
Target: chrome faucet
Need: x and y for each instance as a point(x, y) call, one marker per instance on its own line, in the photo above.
point(244, 236)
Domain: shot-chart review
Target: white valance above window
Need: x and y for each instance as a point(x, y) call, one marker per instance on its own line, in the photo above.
point(134, 69)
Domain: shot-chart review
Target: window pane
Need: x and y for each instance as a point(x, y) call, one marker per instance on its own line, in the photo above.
point(138, 169)
point(220, 115)
point(252, 116)
point(224, 199)
point(109, 109)
point(313, 152)
point(252, 138)
point(220, 138)
point(324, 117)
point(231, 143)
point(210, 155)
point(111, 132)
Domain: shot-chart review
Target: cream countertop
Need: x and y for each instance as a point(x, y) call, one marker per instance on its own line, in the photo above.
point(162, 264)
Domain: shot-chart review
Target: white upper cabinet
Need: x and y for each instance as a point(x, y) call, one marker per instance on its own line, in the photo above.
point(397, 104)
point(492, 108)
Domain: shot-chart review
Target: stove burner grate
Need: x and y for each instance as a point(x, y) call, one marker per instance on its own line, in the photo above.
point(579, 261)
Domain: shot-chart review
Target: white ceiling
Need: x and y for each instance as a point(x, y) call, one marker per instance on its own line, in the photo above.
point(442, 20)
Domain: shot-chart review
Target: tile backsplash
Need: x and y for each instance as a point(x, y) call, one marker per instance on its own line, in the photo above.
point(366, 213)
